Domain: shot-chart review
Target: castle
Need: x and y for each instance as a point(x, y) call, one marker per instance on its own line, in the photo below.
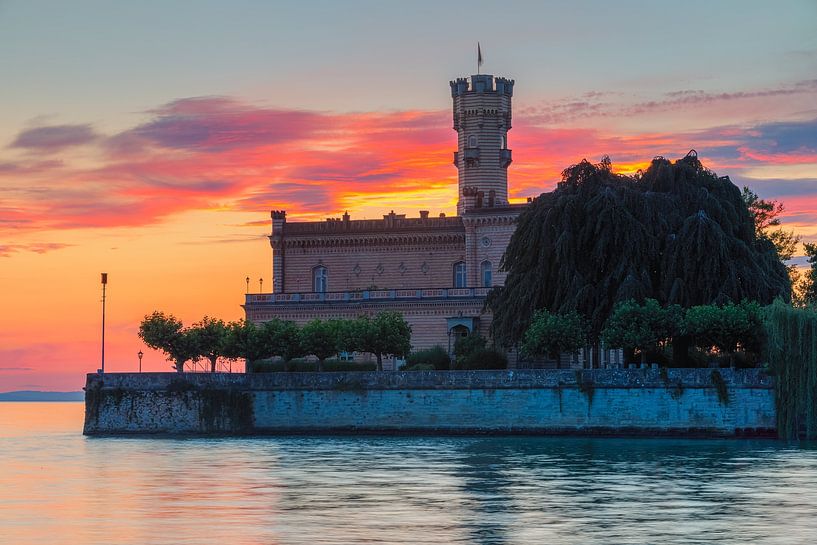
point(435, 271)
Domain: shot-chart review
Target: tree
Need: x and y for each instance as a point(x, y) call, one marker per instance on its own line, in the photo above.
point(633, 327)
point(677, 233)
point(210, 337)
point(287, 340)
point(465, 346)
point(727, 327)
point(246, 340)
point(320, 338)
point(387, 334)
point(809, 286)
point(165, 332)
point(552, 334)
point(766, 215)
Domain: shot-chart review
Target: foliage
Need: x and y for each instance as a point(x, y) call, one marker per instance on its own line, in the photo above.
point(387, 334)
point(633, 326)
point(792, 355)
point(482, 358)
point(435, 356)
point(464, 346)
point(246, 340)
point(320, 338)
point(726, 327)
point(210, 337)
point(810, 284)
point(678, 234)
point(419, 367)
point(328, 366)
point(165, 332)
point(551, 334)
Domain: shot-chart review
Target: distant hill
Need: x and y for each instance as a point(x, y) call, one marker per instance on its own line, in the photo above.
point(29, 395)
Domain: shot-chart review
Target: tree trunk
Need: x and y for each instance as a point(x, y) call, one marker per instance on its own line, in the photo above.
point(379, 362)
point(643, 356)
point(213, 364)
point(179, 366)
point(680, 351)
point(320, 365)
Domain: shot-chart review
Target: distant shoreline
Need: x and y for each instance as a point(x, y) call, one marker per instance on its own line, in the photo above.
point(36, 396)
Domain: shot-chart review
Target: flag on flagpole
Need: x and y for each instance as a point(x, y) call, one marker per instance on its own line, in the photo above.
point(479, 57)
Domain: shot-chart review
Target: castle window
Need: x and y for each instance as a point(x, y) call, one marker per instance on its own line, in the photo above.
point(320, 279)
point(459, 275)
point(487, 273)
point(472, 141)
point(504, 142)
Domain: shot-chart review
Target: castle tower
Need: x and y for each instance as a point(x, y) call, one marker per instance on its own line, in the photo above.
point(482, 119)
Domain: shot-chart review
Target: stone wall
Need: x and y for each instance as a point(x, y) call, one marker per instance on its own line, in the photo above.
point(643, 402)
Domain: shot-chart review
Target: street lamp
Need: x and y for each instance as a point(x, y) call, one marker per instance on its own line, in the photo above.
point(104, 285)
point(260, 285)
point(248, 284)
point(140, 354)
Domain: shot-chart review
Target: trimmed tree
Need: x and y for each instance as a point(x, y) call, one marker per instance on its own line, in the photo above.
point(246, 340)
point(727, 327)
point(387, 334)
point(552, 334)
point(633, 327)
point(165, 332)
point(320, 338)
point(210, 337)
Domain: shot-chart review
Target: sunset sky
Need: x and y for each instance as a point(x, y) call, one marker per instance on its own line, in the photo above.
point(151, 139)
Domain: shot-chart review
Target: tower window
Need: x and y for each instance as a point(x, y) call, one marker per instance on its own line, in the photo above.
point(472, 141)
point(320, 279)
point(504, 142)
point(487, 273)
point(459, 275)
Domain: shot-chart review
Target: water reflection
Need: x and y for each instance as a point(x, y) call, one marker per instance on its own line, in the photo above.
point(59, 487)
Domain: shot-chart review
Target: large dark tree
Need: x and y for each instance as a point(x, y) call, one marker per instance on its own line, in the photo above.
point(677, 233)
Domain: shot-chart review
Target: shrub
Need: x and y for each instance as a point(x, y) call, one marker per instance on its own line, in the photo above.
point(300, 365)
point(419, 367)
point(484, 358)
point(436, 357)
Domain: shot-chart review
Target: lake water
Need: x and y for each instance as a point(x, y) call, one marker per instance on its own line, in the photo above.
point(57, 486)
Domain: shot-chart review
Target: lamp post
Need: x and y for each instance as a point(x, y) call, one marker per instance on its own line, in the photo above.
point(104, 285)
point(260, 285)
point(140, 354)
point(248, 284)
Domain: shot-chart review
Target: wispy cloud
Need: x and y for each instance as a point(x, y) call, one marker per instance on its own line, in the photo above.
point(54, 138)
point(7, 250)
point(218, 152)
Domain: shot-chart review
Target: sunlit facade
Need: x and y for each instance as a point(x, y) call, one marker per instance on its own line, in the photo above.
point(436, 271)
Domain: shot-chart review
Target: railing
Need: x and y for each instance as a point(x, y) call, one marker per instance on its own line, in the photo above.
point(365, 295)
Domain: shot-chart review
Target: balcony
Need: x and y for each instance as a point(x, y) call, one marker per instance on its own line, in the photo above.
point(364, 295)
point(505, 157)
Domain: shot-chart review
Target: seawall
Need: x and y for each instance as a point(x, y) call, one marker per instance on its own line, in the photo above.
point(683, 402)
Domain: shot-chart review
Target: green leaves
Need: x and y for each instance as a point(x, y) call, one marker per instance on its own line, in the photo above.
point(165, 332)
point(551, 334)
point(634, 326)
point(678, 234)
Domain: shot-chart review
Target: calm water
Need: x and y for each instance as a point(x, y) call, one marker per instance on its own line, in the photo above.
point(57, 486)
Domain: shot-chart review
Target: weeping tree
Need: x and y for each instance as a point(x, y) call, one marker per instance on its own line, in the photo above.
point(676, 233)
point(791, 351)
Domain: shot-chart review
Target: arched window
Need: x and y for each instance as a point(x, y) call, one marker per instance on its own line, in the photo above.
point(459, 275)
point(320, 279)
point(487, 274)
point(503, 142)
point(472, 141)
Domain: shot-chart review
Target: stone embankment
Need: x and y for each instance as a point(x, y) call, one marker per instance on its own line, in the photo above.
point(683, 402)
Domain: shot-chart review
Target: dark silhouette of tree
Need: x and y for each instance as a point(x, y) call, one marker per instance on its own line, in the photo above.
point(676, 233)
point(210, 337)
point(165, 332)
point(809, 288)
